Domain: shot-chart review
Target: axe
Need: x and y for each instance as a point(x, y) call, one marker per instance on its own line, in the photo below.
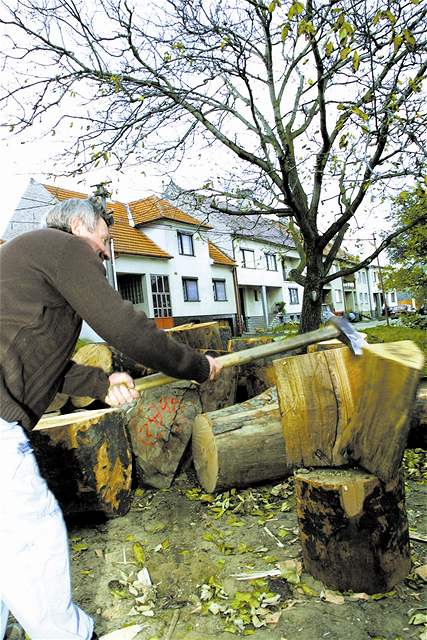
point(337, 327)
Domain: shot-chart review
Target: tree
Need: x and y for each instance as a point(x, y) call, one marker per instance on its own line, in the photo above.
point(319, 102)
point(408, 254)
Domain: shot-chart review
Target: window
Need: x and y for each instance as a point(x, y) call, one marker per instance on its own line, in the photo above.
point(185, 244)
point(293, 296)
point(271, 261)
point(191, 289)
point(393, 297)
point(130, 288)
point(338, 295)
point(161, 296)
point(256, 296)
point(220, 293)
point(248, 258)
point(366, 298)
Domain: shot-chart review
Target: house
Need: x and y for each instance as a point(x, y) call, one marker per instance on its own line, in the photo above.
point(162, 260)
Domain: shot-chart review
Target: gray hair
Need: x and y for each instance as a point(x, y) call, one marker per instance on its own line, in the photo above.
point(89, 211)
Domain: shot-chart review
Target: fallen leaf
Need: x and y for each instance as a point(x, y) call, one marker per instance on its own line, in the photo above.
point(332, 596)
point(127, 633)
point(422, 571)
point(360, 596)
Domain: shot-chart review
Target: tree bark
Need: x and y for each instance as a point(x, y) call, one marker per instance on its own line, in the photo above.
point(86, 460)
point(353, 529)
point(205, 335)
point(312, 298)
point(160, 430)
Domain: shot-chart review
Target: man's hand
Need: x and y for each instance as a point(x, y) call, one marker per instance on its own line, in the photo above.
point(121, 391)
point(215, 368)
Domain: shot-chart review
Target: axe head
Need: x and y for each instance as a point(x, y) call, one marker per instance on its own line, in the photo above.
point(348, 334)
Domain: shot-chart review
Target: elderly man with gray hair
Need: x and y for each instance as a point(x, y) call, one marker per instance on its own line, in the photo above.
point(50, 280)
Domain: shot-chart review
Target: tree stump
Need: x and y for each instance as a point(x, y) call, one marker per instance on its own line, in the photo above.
point(160, 430)
point(240, 445)
point(86, 460)
point(338, 408)
point(353, 529)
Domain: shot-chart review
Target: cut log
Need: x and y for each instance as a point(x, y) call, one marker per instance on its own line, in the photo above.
point(225, 333)
point(338, 408)
point(241, 445)
point(221, 392)
point(160, 430)
point(205, 335)
point(329, 344)
point(86, 460)
point(107, 358)
point(353, 529)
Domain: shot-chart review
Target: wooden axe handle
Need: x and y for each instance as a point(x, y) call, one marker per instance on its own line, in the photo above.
point(249, 355)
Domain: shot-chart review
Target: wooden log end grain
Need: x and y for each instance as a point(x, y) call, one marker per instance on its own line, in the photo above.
point(353, 529)
point(86, 460)
point(240, 446)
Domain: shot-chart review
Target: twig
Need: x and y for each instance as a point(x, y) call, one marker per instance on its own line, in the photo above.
point(419, 537)
point(172, 625)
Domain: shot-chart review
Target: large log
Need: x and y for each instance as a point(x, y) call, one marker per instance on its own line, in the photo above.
point(205, 335)
point(221, 392)
point(87, 461)
point(353, 529)
point(338, 408)
point(160, 430)
point(221, 451)
point(241, 445)
point(109, 359)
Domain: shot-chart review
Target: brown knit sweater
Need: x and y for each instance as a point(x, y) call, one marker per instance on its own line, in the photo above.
point(49, 281)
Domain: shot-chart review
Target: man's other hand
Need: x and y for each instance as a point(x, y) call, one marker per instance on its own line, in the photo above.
point(215, 368)
point(121, 390)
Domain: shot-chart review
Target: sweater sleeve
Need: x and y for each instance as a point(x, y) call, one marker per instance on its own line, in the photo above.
point(80, 278)
point(83, 380)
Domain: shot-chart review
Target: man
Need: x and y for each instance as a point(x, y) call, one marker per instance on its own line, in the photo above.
point(51, 279)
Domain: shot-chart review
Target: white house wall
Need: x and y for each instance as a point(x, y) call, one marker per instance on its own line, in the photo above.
point(198, 266)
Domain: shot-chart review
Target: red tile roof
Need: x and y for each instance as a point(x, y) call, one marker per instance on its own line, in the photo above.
point(130, 241)
point(218, 256)
point(127, 240)
point(154, 208)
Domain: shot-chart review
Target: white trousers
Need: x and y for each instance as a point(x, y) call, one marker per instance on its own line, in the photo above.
point(34, 557)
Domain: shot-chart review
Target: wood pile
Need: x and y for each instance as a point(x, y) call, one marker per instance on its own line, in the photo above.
point(345, 419)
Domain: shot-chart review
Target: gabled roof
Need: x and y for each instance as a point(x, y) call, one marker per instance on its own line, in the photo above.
point(130, 241)
point(154, 208)
point(218, 256)
point(127, 240)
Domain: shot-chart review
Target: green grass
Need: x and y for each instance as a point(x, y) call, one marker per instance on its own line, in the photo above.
point(394, 334)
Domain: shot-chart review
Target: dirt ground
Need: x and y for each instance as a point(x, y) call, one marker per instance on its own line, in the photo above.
point(192, 544)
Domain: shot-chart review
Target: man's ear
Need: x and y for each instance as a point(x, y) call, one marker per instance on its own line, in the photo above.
point(76, 226)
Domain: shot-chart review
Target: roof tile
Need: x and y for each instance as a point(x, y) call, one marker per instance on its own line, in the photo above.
point(218, 256)
point(154, 208)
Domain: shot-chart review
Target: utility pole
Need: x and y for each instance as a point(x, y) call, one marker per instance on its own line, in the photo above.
point(381, 283)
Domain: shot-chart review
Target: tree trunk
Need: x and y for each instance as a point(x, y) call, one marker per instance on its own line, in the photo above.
point(353, 529)
point(241, 445)
point(86, 460)
point(312, 298)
